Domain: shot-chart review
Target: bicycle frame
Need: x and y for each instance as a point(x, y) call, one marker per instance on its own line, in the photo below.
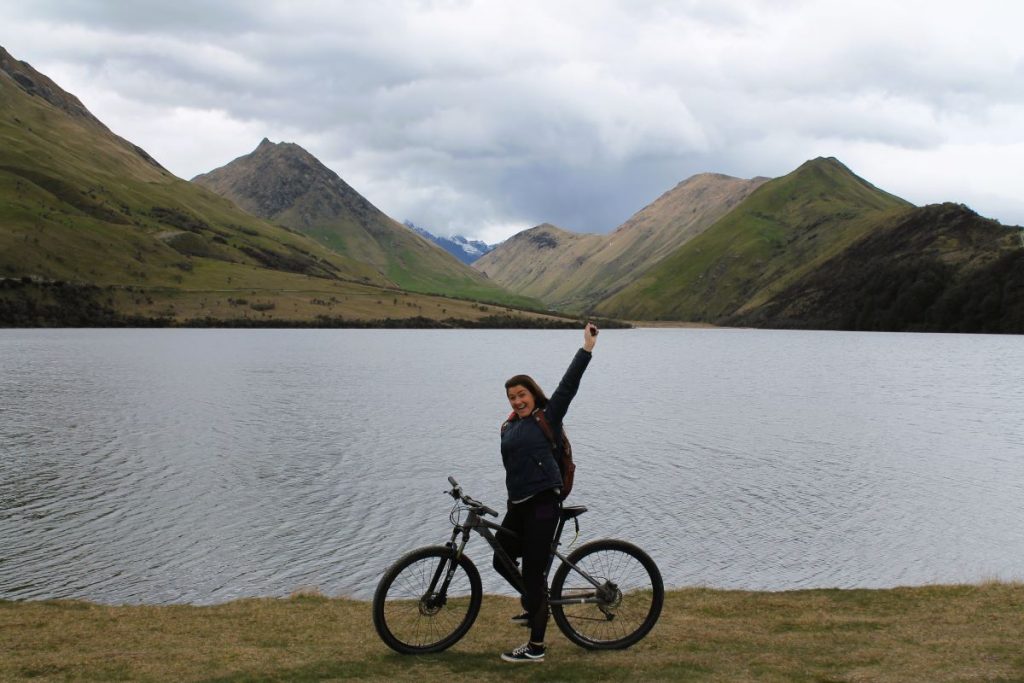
point(474, 522)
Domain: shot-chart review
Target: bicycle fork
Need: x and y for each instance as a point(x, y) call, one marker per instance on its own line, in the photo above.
point(435, 598)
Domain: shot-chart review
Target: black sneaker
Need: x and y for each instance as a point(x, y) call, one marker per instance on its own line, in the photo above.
point(521, 619)
point(525, 653)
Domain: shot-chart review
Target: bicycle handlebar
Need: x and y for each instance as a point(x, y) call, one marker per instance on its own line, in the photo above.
point(457, 494)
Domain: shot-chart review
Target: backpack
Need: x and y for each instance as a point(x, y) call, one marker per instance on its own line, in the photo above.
point(562, 451)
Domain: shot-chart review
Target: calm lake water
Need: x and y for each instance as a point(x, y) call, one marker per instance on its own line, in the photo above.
point(157, 466)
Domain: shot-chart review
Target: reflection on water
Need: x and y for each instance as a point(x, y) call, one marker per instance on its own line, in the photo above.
point(204, 465)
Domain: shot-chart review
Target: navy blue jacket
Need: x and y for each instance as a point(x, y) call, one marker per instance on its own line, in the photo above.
point(530, 466)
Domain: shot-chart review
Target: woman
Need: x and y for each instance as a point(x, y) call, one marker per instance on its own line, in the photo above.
point(533, 479)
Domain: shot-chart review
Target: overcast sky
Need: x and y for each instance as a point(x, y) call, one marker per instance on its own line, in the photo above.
point(486, 118)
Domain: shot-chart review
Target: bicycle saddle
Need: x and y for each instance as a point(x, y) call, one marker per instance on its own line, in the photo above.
point(571, 511)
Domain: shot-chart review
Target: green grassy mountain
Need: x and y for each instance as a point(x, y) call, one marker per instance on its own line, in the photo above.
point(94, 231)
point(573, 272)
point(287, 185)
point(782, 231)
point(79, 203)
point(936, 268)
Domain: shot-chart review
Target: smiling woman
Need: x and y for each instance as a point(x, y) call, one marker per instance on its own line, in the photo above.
point(534, 481)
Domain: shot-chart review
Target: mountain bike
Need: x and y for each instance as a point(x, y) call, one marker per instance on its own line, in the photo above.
point(605, 595)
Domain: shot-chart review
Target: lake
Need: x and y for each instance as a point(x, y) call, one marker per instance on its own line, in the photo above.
point(199, 466)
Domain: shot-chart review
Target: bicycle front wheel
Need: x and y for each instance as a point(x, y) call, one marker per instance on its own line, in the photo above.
point(417, 610)
point(618, 612)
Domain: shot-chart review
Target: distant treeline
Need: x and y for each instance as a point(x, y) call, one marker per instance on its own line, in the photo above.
point(27, 303)
point(924, 296)
point(489, 322)
point(913, 294)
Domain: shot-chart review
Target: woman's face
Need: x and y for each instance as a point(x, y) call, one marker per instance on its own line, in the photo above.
point(521, 400)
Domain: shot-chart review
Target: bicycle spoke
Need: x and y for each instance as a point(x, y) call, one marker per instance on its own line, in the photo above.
point(409, 616)
point(618, 610)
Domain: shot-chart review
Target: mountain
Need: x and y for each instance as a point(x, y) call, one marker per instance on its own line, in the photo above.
point(80, 203)
point(535, 262)
point(38, 85)
point(458, 246)
point(93, 231)
point(782, 231)
point(285, 184)
point(935, 268)
point(585, 269)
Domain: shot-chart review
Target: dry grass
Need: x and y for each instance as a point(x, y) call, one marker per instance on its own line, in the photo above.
point(935, 633)
point(316, 298)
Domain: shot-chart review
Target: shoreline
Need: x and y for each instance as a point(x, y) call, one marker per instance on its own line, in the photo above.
point(313, 593)
point(672, 324)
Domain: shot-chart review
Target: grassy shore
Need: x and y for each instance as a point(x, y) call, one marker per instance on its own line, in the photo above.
point(932, 633)
point(673, 324)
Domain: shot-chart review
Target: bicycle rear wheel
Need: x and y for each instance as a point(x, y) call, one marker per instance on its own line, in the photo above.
point(619, 613)
point(414, 614)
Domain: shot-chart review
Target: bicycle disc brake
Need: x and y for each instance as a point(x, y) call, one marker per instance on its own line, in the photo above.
point(431, 604)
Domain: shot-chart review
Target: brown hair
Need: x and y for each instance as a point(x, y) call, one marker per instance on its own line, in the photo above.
point(539, 399)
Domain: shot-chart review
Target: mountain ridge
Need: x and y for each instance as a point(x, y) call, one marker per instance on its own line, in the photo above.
point(284, 183)
point(37, 84)
point(774, 235)
point(939, 267)
point(466, 250)
point(276, 176)
point(592, 267)
point(536, 262)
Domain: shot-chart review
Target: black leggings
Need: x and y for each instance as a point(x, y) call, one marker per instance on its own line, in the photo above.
point(535, 521)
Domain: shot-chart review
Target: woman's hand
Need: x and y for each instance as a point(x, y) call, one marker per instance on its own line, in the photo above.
point(589, 336)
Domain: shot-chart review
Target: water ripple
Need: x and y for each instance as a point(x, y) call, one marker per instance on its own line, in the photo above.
point(206, 465)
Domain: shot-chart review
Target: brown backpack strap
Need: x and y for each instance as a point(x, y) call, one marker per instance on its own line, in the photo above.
point(545, 426)
point(561, 452)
